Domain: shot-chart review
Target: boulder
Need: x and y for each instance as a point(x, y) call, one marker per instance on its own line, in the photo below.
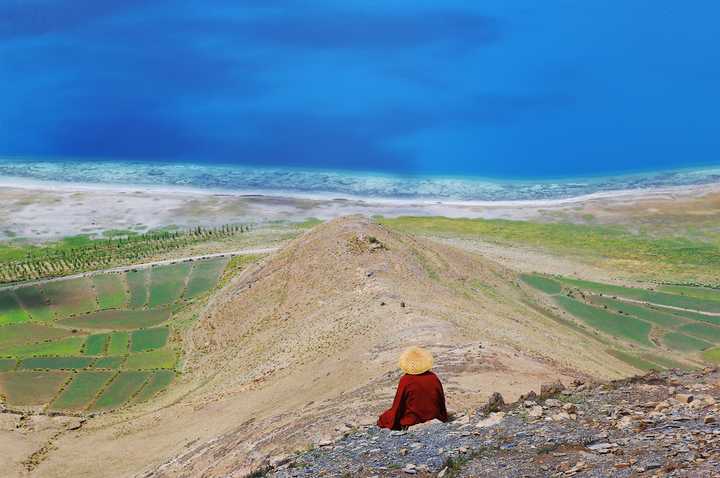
point(551, 389)
point(495, 403)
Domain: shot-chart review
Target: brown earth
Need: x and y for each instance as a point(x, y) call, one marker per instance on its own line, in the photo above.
point(304, 344)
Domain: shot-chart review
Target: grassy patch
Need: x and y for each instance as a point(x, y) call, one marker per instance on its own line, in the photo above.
point(96, 344)
point(71, 297)
point(205, 274)
point(35, 303)
point(604, 242)
point(113, 362)
point(684, 343)
point(236, 265)
point(616, 325)
point(26, 388)
point(690, 291)
point(653, 297)
point(703, 331)
point(664, 361)
point(119, 342)
point(634, 360)
point(157, 382)
point(712, 355)
point(120, 390)
point(542, 283)
point(81, 391)
point(110, 290)
point(167, 284)
point(21, 334)
point(10, 310)
point(154, 359)
point(636, 310)
point(149, 339)
point(710, 319)
point(138, 286)
point(118, 319)
point(60, 348)
point(56, 363)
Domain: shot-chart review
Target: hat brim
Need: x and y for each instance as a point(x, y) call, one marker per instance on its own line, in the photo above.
point(415, 361)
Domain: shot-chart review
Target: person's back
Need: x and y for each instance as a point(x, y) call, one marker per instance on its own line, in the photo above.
point(419, 397)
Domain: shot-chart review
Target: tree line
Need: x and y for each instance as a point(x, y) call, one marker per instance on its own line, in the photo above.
point(52, 261)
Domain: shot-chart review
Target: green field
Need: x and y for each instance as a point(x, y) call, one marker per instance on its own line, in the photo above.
point(205, 274)
point(56, 363)
point(61, 348)
point(89, 329)
point(637, 314)
point(702, 331)
point(710, 319)
point(10, 310)
point(542, 283)
point(20, 334)
point(117, 319)
point(149, 339)
point(627, 248)
point(697, 292)
point(71, 297)
point(35, 303)
point(26, 388)
point(153, 359)
point(645, 295)
point(157, 382)
point(684, 343)
point(120, 390)
point(167, 284)
point(112, 362)
point(96, 344)
point(624, 327)
point(138, 286)
point(81, 391)
point(111, 291)
point(712, 355)
point(634, 360)
point(641, 312)
point(119, 342)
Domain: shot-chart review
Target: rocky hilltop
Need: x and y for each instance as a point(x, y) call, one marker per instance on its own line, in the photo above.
point(660, 424)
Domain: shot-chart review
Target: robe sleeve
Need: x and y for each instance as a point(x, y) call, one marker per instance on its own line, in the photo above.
point(441, 406)
point(391, 418)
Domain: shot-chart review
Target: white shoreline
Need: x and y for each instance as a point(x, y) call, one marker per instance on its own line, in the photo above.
point(11, 182)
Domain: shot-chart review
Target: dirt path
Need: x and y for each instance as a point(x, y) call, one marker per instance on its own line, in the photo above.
point(241, 252)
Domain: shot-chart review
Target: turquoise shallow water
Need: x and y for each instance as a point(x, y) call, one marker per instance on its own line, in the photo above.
point(337, 184)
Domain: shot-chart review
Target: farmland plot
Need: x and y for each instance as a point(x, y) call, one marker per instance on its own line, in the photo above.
point(121, 389)
point(71, 297)
point(35, 303)
point(10, 310)
point(26, 388)
point(205, 274)
point(167, 284)
point(111, 291)
point(81, 391)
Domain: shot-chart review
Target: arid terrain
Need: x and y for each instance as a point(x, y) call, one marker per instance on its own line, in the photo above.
point(301, 346)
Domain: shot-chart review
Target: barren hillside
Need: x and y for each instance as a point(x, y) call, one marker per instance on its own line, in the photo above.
point(304, 344)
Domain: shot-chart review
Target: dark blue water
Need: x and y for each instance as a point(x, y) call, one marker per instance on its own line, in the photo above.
point(504, 89)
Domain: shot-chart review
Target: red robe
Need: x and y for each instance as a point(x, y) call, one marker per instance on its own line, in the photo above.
point(419, 398)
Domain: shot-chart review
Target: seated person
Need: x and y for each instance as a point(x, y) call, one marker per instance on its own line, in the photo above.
point(419, 397)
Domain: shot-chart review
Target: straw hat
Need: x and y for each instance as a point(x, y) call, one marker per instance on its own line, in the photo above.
point(415, 360)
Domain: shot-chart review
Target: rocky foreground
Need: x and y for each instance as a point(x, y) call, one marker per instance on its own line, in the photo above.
point(661, 424)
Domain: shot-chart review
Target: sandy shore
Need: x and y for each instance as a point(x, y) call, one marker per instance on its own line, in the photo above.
point(41, 211)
